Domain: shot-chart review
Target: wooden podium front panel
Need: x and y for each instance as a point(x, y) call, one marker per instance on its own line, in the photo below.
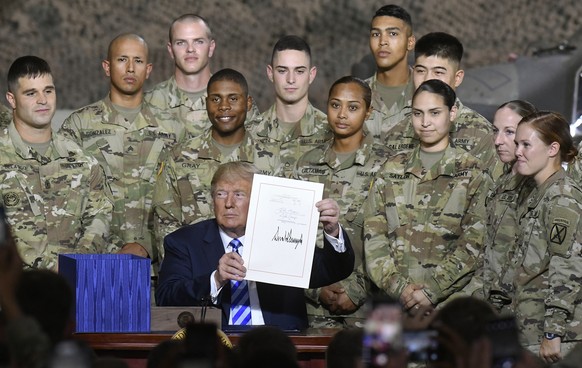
point(134, 348)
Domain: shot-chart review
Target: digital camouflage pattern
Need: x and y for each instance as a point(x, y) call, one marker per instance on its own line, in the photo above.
point(5, 116)
point(348, 183)
point(182, 193)
point(548, 279)
point(129, 154)
point(192, 114)
point(383, 118)
point(469, 130)
point(309, 133)
point(55, 203)
point(493, 281)
point(575, 167)
point(426, 226)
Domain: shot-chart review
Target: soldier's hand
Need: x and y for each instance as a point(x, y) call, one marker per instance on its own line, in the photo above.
point(329, 294)
point(230, 267)
point(134, 248)
point(329, 216)
point(407, 295)
point(550, 350)
point(343, 305)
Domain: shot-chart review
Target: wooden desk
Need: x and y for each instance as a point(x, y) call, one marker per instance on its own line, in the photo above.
point(134, 348)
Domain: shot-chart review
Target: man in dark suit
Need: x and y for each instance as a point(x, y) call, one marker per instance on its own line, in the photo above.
point(200, 262)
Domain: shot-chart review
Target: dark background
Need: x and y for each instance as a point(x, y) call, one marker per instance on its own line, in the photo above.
point(73, 35)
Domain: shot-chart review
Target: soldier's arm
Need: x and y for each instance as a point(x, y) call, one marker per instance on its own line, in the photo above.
point(456, 269)
point(71, 128)
point(356, 288)
point(379, 256)
point(167, 203)
point(97, 213)
point(565, 268)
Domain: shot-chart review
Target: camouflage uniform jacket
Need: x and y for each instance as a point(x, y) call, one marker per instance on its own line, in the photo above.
point(168, 96)
point(575, 167)
point(548, 279)
point(384, 118)
point(309, 133)
point(182, 194)
point(5, 116)
point(56, 203)
point(494, 279)
point(470, 131)
point(426, 226)
point(129, 153)
point(348, 183)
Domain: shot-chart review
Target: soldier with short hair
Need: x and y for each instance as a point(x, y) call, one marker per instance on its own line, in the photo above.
point(191, 46)
point(292, 121)
point(182, 194)
point(438, 55)
point(54, 195)
point(391, 40)
point(128, 137)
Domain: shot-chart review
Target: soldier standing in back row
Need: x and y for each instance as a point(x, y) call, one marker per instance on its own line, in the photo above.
point(53, 193)
point(128, 137)
point(292, 121)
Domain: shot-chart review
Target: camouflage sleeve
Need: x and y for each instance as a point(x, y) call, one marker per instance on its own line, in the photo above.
point(379, 256)
point(565, 267)
point(475, 287)
point(575, 167)
point(456, 269)
point(71, 128)
point(167, 203)
point(97, 213)
point(357, 285)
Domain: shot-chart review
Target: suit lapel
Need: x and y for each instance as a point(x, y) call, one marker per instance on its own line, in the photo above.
point(213, 250)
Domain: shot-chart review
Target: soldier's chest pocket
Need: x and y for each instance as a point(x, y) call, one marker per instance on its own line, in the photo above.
point(534, 243)
point(397, 207)
point(449, 209)
point(67, 191)
point(500, 209)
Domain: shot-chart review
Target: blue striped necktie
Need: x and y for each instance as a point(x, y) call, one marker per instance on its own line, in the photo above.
point(240, 304)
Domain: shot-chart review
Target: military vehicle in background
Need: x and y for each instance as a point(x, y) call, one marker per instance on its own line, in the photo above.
point(550, 77)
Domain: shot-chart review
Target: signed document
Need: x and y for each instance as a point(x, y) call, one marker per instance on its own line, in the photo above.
point(281, 230)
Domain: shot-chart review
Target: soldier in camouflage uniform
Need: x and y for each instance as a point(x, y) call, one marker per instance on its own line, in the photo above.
point(494, 280)
point(346, 166)
point(182, 194)
point(425, 222)
point(548, 280)
point(5, 116)
point(438, 56)
point(53, 193)
point(127, 137)
point(292, 121)
point(191, 45)
point(391, 40)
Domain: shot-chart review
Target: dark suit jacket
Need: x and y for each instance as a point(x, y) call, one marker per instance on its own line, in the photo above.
point(192, 254)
